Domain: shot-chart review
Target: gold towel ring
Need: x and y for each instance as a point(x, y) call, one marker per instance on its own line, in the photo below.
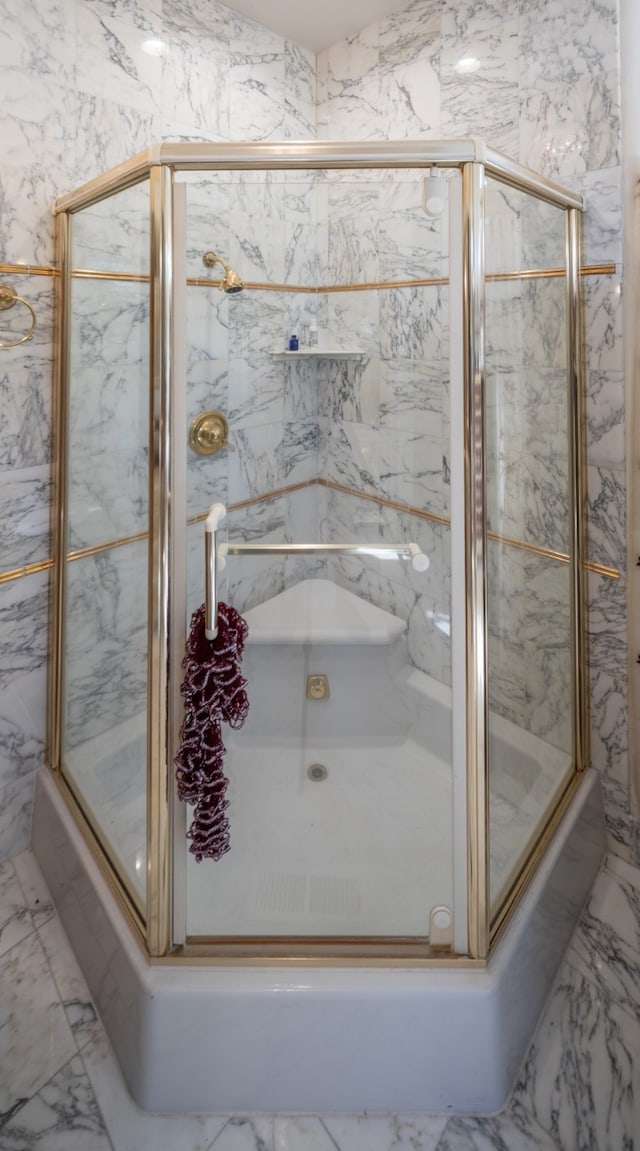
point(9, 297)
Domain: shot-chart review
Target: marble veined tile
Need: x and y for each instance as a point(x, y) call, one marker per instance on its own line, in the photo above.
point(25, 411)
point(256, 95)
point(605, 419)
point(625, 871)
point(606, 944)
point(23, 631)
point(483, 101)
point(240, 1134)
point(35, 1038)
point(306, 1131)
point(63, 1114)
point(113, 59)
point(15, 814)
point(580, 1078)
point(131, 1128)
point(34, 889)
point(143, 14)
point(195, 86)
point(201, 18)
point(39, 38)
point(564, 41)
point(108, 132)
point(411, 32)
point(36, 133)
point(383, 1132)
point(603, 323)
point(572, 129)
point(25, 516)
point(622, 828)
point(26, 223)
point(300, 110)
point(603, 216)
point(70, 982)
point(15, 920)
point(511, 1130)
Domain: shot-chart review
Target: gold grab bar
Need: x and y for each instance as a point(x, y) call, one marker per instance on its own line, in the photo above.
point(215, 558)
point(8, 298)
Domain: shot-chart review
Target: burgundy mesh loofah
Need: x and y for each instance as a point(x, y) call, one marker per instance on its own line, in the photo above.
point(213, 691)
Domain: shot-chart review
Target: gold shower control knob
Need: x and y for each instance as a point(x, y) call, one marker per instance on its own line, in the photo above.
point(208, 433)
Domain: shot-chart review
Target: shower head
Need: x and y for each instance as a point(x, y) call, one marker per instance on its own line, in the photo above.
point(231, 282)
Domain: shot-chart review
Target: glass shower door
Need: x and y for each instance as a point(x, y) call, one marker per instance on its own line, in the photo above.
point(340, 782)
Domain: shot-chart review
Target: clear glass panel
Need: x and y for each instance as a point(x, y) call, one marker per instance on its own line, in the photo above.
point(104, 756)
point(529, 516)
point(340, 782)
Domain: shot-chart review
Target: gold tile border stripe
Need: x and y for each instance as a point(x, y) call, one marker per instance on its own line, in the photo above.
point(396, 505)
point(276, 493)
point(327, 289)
point(26, 570)
point(28, 270)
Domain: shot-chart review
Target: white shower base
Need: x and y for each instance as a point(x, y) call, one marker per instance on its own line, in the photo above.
point(314, 1039)
point(367, 850)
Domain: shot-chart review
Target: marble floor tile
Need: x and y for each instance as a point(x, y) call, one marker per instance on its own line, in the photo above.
point(15, 920)
point(132, 1129)
point(624, 869)
point(578, 1090)
point(606, 944)
point(386, 1132)
point(70, 982)
point(581, 1076)
point(35, 1037)
point(615, 899)
point(36, 893)
point(249, 1134)
point(62, 1116)
point(513, 1130)
point(291, 1133)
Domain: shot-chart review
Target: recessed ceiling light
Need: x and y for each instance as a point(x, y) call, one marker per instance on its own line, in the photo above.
point(153, 47)
point(467, 64)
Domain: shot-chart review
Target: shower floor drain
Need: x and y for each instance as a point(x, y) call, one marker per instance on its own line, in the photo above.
point(317, 772)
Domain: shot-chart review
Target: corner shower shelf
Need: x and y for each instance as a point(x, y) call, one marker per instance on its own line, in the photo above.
point(320, 353)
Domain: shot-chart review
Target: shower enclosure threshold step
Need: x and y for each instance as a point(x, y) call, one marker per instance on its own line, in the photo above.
point(312, 1039)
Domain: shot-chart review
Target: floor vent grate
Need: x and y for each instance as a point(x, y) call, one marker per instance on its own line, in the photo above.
point(289, 893)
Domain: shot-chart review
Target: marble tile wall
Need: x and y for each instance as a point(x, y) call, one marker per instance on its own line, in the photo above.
point(84, 86)
point(540, 82)
point(545, 91)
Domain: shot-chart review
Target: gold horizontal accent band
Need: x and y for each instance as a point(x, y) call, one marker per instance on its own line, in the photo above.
point(122, 277)
point(26, 570)
point(551, 273)
point(257, 286)
point(276, 493)
point(95, 549)
point(420, 513)
point(537, 549)
point(28, 270)
point(254, 286)
point(602, 569)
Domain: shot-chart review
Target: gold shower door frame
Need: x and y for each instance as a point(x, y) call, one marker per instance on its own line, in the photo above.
point(167, 615)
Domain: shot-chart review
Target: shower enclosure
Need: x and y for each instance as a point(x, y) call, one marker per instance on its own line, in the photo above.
point(402, 531)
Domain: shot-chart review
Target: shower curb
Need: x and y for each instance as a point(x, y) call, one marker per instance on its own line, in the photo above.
point(311, 1039)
